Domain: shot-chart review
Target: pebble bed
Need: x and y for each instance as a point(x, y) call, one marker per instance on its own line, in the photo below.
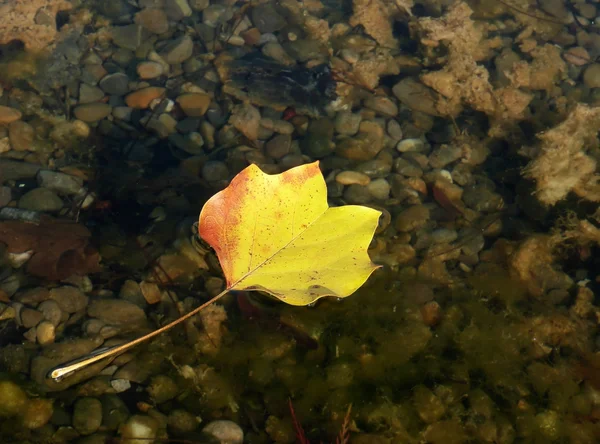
point(471, 127)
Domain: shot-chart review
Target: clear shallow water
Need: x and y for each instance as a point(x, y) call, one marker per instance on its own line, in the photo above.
point(479, 327)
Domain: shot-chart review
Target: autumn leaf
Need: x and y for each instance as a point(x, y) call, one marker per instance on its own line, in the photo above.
point(276, 233)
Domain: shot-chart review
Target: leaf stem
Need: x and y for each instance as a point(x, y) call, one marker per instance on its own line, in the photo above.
point(66, 369)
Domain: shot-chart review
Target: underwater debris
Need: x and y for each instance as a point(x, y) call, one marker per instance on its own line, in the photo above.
point(30, 21)
point(60, 248)
point(561, 162)
point(463, 81)
point(265, 82)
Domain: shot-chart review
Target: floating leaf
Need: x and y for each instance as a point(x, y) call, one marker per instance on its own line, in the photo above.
point(276, 233)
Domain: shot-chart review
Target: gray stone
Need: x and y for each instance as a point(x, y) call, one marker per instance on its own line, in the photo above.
point(347, 123)
point(177, 9)
point(412, 218)
point(382, 105)
point(41, 199)
point(357, 194)
point(215, 170)
point(191, 143)
point(482, 198)
point(116, 84)
point(5, 196)
point(129, 36)
point(69, 299)
point(416, 96)
point(379, 189)
point(318, 140)
point(279, 146)
point(14, 170)
point(213, 15)
point(266, 18)
point(178, 50)
point(117, 312)
point(445, 155)
point(60, 182)
point(51, 311)
point(199, 5)
point(89, 94)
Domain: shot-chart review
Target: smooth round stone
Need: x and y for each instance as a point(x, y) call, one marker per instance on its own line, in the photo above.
point(5, 196)
point(30, 317)
point(357, 194)
point(92, 112)
point(8, 114)
point(443, 236)
point(21, 135)
point(278, 146)
point(382, 105)
point(41, 199)
point(87, 415)
point(122, 112)
point(352, 178)
point(225, 431)
point(266, 18)
point(116, 84)
point(591, 76)
point(410, 145)
point(199, 5)
point(149, 70)
point(178, 50)
point(412, 218)
point(394, 130)
point(213, 15)
point(194, 104)
point(51, 311)
point(347, 123)
point(142, 98)
point(153, 19)
point(45, 333)
point(89, 94)
point(445, 155)
point(215, 170)
point(375, 168)
point(379, 189)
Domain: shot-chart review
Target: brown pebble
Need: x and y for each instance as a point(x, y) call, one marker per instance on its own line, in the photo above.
point(153, 19)
point(21, 135)
point(194, 104)
point(8, 114)
point(352, 177)
point(141, 98)
point(46, 333)
point(577, 56)
point(431, 313)
point(30, 317)
point(92, 112)
point(149, 70)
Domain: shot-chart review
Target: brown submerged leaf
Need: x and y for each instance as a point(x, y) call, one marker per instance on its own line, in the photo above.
point(61, 247)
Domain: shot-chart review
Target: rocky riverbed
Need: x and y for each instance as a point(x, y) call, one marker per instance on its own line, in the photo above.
point(471, 125)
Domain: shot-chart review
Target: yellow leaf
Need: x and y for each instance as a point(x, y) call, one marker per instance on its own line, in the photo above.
point(276, 233)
